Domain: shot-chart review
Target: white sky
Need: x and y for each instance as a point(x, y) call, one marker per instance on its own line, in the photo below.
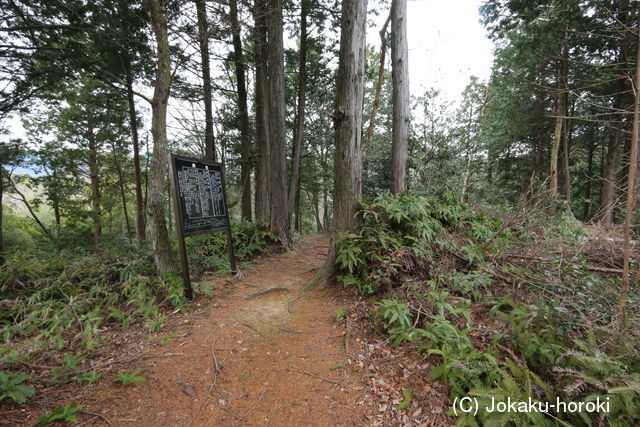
point(447, 44)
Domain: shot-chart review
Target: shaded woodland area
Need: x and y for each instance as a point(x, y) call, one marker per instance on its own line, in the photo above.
point(497, 234)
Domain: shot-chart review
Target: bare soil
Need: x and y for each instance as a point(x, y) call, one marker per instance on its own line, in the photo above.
point(277, 358)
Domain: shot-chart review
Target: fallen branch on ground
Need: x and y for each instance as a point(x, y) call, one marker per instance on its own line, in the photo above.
point(266, 290)
point(311, 374)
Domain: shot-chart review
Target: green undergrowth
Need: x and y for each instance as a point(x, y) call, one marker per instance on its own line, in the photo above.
point(211, 251)
point(65, 303)
point(441, 272)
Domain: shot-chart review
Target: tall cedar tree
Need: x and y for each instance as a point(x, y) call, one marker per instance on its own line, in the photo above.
point(262, 206)
point(298, 133)
point(243, 112)
point(631, 176)
point(347, 172)
point(400, 80)
point(279, 220)
point(203, 40)
point(158, 169)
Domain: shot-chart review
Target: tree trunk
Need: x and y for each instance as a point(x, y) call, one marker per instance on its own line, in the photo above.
point(376, 98)
point(631, 175)
point(24, 200)
point(55, 204)
point(315, 201)
point(567, 137)
point(325, 209)
point(158, 169)
point(560, 123)
point(609, 178)
point(279, 220)
point(298, 211)
point(262, 206)
point(94, 178)
point(400, 78)
point(141, 227)
point(121, 184)
point(245, 138)
point(298, 135)
point(587, 188)
point(347, 172)
point(203, 39)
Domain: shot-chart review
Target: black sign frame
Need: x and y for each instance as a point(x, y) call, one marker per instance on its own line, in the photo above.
point(179, 208)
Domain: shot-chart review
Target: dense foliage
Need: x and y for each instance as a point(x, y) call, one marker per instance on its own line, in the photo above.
point(68, 303)
point(439, 264)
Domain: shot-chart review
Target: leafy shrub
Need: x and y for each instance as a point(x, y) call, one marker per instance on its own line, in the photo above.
point(404, 234)
point(49, 299)
point(463, 367)
point(396, 319)
point(210, 252)
point(430, 257)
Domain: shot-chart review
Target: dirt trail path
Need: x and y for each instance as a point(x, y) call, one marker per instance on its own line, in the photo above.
point(280, 358)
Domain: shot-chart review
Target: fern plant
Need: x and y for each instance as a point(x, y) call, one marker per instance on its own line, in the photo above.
point(130, 377)
point(88, 377)
point(519, 384)
point(462, 367)
point(11, 387)
point(63, 413)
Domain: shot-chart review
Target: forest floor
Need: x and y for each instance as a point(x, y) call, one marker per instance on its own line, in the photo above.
point(279, 358)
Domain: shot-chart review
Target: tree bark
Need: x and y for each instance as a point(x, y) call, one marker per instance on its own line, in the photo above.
point(94, 178)
point(203, 39)
point(315, 202)
point(298, 211)
point(567, 136)
point(121, 184)
point(298, 136)
point(262, 206)
point(347, 172)
point(609, 178)
point(245, 138)
point(158, 169)
point(400, 79)
point(560, 123)
point(141, 227)
point(631, 175)
point(376, 98)
point(587, 189)
point(279, 220)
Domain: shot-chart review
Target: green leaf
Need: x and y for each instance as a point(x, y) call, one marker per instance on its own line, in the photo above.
point(408, 398)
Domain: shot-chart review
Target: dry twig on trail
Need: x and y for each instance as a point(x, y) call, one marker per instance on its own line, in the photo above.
point(290, 303)
point(94, 414)
point(346, 335)
point(254, 405)
point(292, 331)
point(251, 327)
point(266, 290)
point(214, 380)
point(311, 374)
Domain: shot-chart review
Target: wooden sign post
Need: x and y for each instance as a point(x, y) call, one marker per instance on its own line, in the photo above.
point(200, 201)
